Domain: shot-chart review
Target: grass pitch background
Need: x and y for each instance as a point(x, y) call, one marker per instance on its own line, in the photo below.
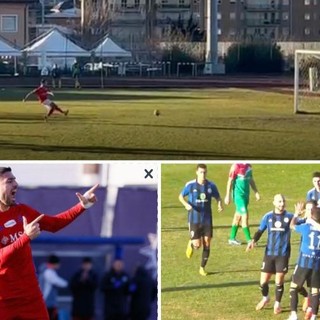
point(193, 124)
point(231, 290)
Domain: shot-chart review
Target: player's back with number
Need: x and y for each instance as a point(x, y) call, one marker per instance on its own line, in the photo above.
point(309, 256)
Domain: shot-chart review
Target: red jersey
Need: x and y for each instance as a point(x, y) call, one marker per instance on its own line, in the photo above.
point(42, 93)
point(20, 294)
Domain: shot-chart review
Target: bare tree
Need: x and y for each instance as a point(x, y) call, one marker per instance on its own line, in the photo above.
point(96, 17)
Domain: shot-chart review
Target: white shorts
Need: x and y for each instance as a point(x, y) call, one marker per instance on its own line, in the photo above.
point(47, 103)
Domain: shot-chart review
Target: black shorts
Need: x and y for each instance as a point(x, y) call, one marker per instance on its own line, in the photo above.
point(312, 277)
point(275, 264)
point(198, 230)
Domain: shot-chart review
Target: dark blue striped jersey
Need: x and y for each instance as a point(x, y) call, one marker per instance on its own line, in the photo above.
point(199, 197)
point(309, 256)
point(313, 194)
point(278, 228)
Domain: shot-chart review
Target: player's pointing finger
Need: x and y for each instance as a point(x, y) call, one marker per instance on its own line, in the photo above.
point(37, 219)
point(93, 189)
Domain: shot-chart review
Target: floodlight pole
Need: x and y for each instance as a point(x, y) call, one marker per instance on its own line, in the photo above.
point(211, 61)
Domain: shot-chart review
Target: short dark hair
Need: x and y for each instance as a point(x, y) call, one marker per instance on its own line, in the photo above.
point(4, 170)
point(316, 174)
point(316, 214)
point(43, 81)
point(86, 260)
point(202, 166)
point(313, 202)
point(53, 259)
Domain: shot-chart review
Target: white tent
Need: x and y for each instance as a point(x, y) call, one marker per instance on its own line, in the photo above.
point(7, 50)
point(55, 44)
point(108, 48)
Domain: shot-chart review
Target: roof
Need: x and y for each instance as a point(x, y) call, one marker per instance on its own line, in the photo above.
point(54, 43)
point(108, 48)
point(68, 13)
point(19, 1)
point(8, 49)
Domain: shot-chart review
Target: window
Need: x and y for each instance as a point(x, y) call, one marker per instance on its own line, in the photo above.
point(219, 32)
point(232, 32)
point(232, 15)
point(9, 23)
point(307, 2)
point(285, 2)
point(285, 16)
point(123, 3)
point(136, 3)
point(285, 31)
point(306, 31)
point(315, 2)
point(307, 16)
point(219, 16)
point(181, 2)
point(232, 1)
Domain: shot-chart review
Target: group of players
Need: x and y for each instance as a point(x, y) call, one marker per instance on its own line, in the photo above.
point(196, 197)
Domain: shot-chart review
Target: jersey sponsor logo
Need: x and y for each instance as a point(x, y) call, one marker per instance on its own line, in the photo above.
point(11, 238)
point(4, 240)
point(10, 223)
point(203, 198)
point(286, 219)
point(278, 224)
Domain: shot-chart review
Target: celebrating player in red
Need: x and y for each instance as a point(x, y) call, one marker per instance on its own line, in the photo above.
point(42, 93)
point(20, 295)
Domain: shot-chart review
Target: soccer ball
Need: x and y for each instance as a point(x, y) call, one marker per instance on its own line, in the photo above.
point(156, 112)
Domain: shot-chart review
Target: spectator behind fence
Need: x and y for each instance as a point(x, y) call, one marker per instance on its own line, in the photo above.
point(83, 285)
point(44, 72)
point(56, 76)
point(50, 281)
point(143, 290)
point(76, 74)
point(115, 286)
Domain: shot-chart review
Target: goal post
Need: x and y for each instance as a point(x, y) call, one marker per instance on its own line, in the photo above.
point(307, 81)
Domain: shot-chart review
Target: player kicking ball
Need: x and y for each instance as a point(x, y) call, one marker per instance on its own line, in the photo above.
point(42, 93)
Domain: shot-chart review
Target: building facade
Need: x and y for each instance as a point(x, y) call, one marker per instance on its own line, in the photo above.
point(137, 23)
point(278, 20)
point(14, 21)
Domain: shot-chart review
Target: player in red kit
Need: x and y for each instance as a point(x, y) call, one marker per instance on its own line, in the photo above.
point(20, 295)
point(42, 93)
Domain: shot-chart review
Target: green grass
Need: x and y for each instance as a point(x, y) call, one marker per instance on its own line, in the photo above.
point(193, 124)
point(231, 290)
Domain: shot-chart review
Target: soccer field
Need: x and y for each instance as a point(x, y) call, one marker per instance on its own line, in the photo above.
point(231, 290)
point(193, 124)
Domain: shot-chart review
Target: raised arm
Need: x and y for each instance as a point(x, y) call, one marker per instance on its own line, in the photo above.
point(62, 219)
point(298, 210)
point(29, 94)
point(31, 231)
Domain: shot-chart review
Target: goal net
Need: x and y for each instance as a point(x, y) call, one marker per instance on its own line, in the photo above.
point(307, 81)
